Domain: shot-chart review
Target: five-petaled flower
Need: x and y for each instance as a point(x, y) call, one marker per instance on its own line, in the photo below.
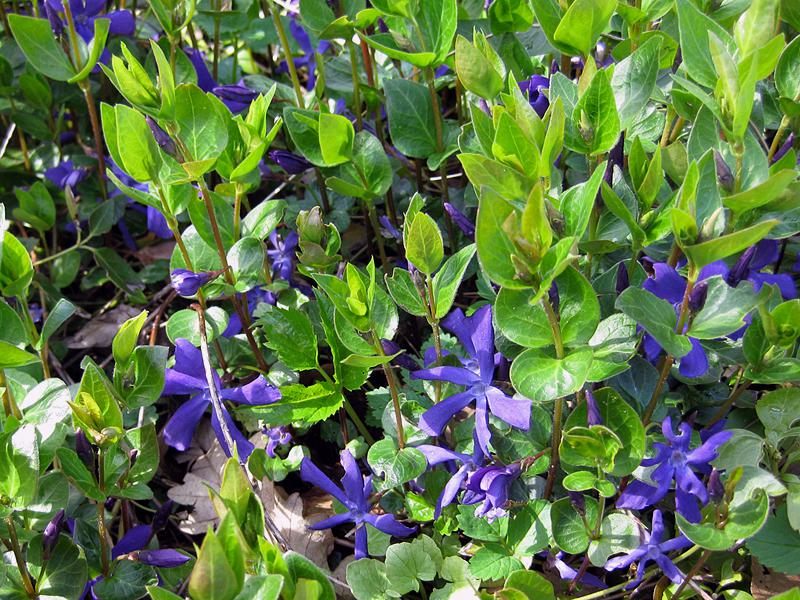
point(490, 486)
point(188, 377)
point(354, 495)
point(476, 334)
point(675, 461)
point(652, 549)
point(436, 455)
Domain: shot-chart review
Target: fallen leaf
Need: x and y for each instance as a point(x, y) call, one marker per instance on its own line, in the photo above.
point(290, 513)
point(100, 331)
point(766, 584)
point(150, 254)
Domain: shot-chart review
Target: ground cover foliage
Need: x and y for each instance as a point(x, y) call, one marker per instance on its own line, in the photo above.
point(399, 299)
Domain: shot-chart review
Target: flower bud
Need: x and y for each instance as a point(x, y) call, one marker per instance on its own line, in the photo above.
point(311, 226)
point(236, 97)
point(553, 297)
point(724, 174)
point(292, 163)
point(622, 279)
point(166, 558)
point(787, 145)
point(162, 515)
point(716, 491)
point(741, 269)
point(592, 411)
point(84, 450)
point(50, 534)
point(697, 297)
point(460, 219)
point(162, 137)
point(187, 283)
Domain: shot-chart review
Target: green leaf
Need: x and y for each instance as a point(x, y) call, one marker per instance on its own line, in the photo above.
point(186, 324)
point(492, 562)
point(406, 565)
point(593, 446)
point(149, 363)
point(613, 344)
point(506, 16)
point(541, 376)
point(128, 581)
point(36, 206)
point(437, 20)
point(761, 194)
point(583, 23)
point(201, 127)
point(634, 81)
point(299, 403)
point(62, 576)
point(494, 246)
point(368, 581)
point(410, 113)
point(623, 420)
point(657, 317)
point(424, 244)
point(78, 474)
point(569, 532)
point(136, 150)
point(403, 291)
point(596, 116)
point(577, 203)
point(705, 253)
point(695, 27)
point(787, 71)
point(291, 335)
point(263, 218)
point(394, 465)
point(619, 533)
point(11, 356)
point(16, 268)
point(336, 137)
point(246, 259)
point(448, 279)
point(37, 42)
point(302, 568)
point(744, 519)
point(777, 545)
point(778, 410)
point(125, 339)
point(476, 71)
point(59, 315)
point(96, 47)
point(213, 577)
point(724, 310)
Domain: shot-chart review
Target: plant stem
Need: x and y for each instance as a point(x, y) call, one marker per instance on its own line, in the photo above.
point(738, 390)
point(694, 571)
point(9, 404)
point(269, 7)
point(219, 411)
point(776, 141)
point(21, 565)
point(558, 409)
point(101, 514)
point(437, 338)
point(362, 429)
point(387, 370)
point(351, 47)
point(373, 218)
point(98, 136)
point(215, 64)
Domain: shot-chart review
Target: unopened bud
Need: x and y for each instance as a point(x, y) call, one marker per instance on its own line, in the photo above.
point(84, 450)
point(50, 534)
point(622, 279)
point(697, 297)
point(716, 491)
point(592, 410)
point(724, 174)
point(741, 269)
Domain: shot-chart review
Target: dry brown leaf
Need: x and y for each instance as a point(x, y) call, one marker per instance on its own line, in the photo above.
point(766, 584)
point(340, 574)
point(150, 254)
point(290, 513)
point(100, 331)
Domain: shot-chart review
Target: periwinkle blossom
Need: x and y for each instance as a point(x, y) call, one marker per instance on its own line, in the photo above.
point(652, 549)
point(567, 573)
point(204, 79)
point(292, 163)
point(66, 174)
point(51, 533)
point(84, 14)
point(460, 219)
point(164, 558)
point(156, 222)
point(438, 455)
point(675, 461)
point(489, 486)
point(277, 436)
point(476, 335)
point(187, 283)
point(750, 267)
point(533, 89)
point(188, 378)
point(281, 254)
point(354, 495)
point(237, 97)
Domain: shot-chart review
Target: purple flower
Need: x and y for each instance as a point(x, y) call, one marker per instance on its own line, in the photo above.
point(593, 416)
point(204, 79)
point(163, 139)
point(675, 461)
point(51, 533)
point(787, 145)
point(187, 283)
point(164, 558)
point(281, 255)
point(292, 163)
point(66, 174)
point(534, 88)
point(389, 231)
point(476, 334)
point(188, 377)
point(652, 549)
point(236, 97)
point(156, 222)
point(256, 296)
point(460, 219)
point(567, 573)
point(490, 486)
point(84, 14)
point(354, 495)
point(751, 264)
point(436, 455)
point(277, 436)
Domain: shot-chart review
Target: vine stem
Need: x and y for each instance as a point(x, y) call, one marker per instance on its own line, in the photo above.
point(437, 338)
point(776, 141)
point(219, 411)
point(17, 550)
point(387, 370)
point(9, 404)
point(558, 410)
point(351, 47)
point(694, 571)
point(269, 7)
point(101, 516)
point(738, 389)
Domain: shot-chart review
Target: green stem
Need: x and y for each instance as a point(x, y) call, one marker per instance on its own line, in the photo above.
point(558, 409)
point(269, 7)
point(21, 564)
point(387, 370)
point(101, 516)
point(9, 404)
point(437, 338)
point(351, 47)
point(362, 428)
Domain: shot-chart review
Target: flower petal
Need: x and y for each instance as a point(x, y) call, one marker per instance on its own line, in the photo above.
point(694, 364)
point(179, 430)
point(639, 495)
point(243, 446)
point(388, 524)
point(311, 474)
point(257, 392)
point(332, 522)
point(457, 375)
point(435, 418)
point(516, 413)
point(352, 480)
